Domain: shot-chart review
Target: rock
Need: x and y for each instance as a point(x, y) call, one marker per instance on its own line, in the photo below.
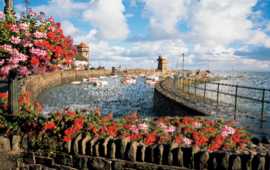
point(236, 164)
point(121, 145)
point(84, 143)
point(4, 144)
point(76, 144)
point(16, 141)
point(141, 152)
point(104, 146)
point(132, 153)
point(91, 145)
point(112, 151)
point(158, 154)
point(25, 142)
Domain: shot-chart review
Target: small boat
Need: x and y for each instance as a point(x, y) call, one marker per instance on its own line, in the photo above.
point(153, 77)
point(76, 82)
point(128, 81)
point(102, 77)
point(114, 76)
point(84, 80)
point(100, 83)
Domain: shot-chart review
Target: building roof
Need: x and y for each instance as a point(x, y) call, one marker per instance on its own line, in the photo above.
point(83, 45)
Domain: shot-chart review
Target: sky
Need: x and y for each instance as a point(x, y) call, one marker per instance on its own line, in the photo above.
point(212, 34)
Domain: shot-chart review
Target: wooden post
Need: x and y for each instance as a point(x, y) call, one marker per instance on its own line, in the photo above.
point(262, 109)
point(235, 101)
point(9, 7)
point(13, 105)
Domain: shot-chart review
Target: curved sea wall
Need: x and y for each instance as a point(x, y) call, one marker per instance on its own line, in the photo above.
point(167, 100)
point(36, 84)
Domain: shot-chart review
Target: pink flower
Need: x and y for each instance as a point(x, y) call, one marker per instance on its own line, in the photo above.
point(2, 15)
point(38, 52)
point(7, 47)
point(163, 126)
point(51, 19)
point(2, 62)
point(15, 40)
point(14, 28)
point(134, 129)
point(4, 71)
point(187, 141)
point(227, 130)
point(23, 26)
point(197, 125)
point(27, 43)
point(170, 129)
point(40, 35)
point(143, 126)
point(32, 13)
point(23, 71)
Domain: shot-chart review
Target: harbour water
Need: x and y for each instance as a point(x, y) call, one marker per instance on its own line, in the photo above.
point(121, 99)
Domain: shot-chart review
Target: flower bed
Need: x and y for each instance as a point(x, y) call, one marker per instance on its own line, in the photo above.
point(33, 44)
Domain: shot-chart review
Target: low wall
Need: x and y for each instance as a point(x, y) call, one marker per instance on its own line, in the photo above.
point(121, 154)
point(166, 102)
point(36, 84)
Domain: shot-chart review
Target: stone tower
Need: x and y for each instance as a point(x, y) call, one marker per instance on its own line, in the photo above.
point(162, 64)
point(82, 59)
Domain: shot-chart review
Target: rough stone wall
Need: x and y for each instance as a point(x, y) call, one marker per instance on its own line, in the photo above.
point(36, 84)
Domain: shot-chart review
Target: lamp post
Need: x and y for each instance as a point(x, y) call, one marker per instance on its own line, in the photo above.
point(8, 7)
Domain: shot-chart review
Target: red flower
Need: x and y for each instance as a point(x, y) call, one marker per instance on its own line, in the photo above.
point(49, 125)
point(187, 121)
point(34, 61)
point(71, 113)
point(112, 130)
point(78, 123)
point(69, 131)
point(178, 139)
point(67, 139)
point(217, 143)
point(199, 138)
point(134, 137)
point(3, 96)
point(150, 138)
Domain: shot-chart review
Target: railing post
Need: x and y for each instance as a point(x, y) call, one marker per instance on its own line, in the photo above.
point(13, 105)
point(195, 87)
point(235, 101)
point(262, 109)
point(204, 90)
point(218, 93)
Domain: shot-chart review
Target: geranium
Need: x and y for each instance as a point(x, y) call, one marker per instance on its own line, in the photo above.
point(143, 126)
point(199, 138)
point(35, 43)
point(151, 138)
point(227, 130)
point(49, 125)
point(78, 123)
point(187, 141)
point(112, 130)
point(67, 139)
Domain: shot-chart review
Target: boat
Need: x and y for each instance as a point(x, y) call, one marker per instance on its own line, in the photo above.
point(76, 82)
point(128, 80)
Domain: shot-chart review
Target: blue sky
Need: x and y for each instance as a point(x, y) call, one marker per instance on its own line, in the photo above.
point(213, 34)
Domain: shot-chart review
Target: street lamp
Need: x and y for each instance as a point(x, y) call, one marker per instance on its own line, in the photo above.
point(8, 7)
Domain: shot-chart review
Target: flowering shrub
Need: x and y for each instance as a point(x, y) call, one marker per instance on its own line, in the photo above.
point(3, 101)
point(200, 133)
point(33, 44)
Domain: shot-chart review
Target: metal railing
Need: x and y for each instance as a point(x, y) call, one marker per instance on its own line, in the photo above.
point(192, 86)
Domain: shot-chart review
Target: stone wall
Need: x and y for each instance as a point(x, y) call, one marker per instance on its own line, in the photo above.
point(36, 84)
point(167, 102)
point(121, 154)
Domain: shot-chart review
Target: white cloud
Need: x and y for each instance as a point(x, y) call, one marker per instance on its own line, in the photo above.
point(268, 27)
point(63, 8)
point(221, 22)
point(69, 28)
point(108, 18)
point(164, 16)
point(136, 54)
point(260, 37)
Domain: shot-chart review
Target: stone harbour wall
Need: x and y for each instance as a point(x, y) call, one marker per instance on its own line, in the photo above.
point(166, 101)
point(120, 154)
